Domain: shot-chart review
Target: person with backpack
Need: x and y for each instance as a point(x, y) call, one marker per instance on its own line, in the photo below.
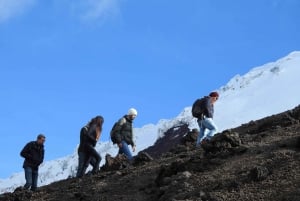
point(33, 152)
point(87, 154)
point(203, 110)
point(122, 133)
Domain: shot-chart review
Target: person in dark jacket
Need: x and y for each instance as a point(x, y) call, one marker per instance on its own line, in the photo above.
point(33, 152)
point(206, 121)
point(89, 135)
point(123, 130)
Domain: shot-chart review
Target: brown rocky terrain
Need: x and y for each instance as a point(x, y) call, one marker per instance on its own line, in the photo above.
point(259, 160)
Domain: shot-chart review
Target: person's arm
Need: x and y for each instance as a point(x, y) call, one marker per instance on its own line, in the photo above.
point(207, 108)
point(25, 153)
point(91, 134)
point(42, 156)
point(132, 141)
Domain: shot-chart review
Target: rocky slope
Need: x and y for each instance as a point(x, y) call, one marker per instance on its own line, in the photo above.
point(259, 160)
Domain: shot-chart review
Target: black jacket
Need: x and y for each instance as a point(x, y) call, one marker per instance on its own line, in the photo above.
point(124, 131)
point(92, 135)
point(87, 137)
point(33, 154)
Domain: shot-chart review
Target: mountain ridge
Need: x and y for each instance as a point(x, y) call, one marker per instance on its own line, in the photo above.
point(258, 160)
point(253, 90)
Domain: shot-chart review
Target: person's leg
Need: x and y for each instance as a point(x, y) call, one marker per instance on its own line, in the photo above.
point(125, 150)
point(28, 177)
point(210, 125)
point(95, 156)
point(34, 179)
point(81, 164)
point(93, 161)
point(201, 132)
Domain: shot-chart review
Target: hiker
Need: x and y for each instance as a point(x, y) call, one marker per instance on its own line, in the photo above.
point(87, 154)
point(122, 133)
point(33, 152)
point(206, 119)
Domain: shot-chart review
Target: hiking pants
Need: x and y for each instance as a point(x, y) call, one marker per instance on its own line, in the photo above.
point(206, 123)
point(31, 177)
point(93, 157)
point(83, 163)
point(125, 150)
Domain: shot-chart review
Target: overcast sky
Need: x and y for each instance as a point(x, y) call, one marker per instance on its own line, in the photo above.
point(63, 62)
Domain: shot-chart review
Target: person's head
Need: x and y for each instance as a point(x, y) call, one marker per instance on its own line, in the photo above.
point(214, 96)
point(132, 113)
point(98, 120)
point(41, 139)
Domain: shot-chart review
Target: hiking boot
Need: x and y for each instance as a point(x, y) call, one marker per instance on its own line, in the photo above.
point(204, 141)
point(95, 172)
point(34, 189)
point(20, 188)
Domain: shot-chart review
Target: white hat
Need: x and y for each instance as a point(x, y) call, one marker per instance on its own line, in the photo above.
point(132, 111)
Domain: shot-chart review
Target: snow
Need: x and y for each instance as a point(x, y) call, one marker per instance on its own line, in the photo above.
point(263, 91)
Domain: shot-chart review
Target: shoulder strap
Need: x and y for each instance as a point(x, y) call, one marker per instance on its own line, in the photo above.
point(122, 121)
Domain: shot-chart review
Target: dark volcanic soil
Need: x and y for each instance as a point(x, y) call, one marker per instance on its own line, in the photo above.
point(256, 161)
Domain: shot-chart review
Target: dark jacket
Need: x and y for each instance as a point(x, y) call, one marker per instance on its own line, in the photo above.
point(33, 154)
point(124, 131)
point(92, 135)
point(83, 138)
point(87, 137)
point(208, 108)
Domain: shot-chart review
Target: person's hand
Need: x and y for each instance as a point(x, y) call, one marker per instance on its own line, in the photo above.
point(133, 148)
point(120, 145)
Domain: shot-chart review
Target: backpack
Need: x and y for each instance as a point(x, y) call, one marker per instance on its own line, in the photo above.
point(113, 133)
point(198, 107)
point(115, 129)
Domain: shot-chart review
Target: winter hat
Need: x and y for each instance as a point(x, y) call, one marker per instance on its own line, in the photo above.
point(132, 111)
point(214, 94)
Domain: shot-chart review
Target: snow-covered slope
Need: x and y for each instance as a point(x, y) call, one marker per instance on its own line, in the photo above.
point(265, 90)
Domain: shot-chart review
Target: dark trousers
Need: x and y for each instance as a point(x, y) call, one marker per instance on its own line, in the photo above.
point(83, 163)
point(81, 160)
point(90, 156)
point(31, 177)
